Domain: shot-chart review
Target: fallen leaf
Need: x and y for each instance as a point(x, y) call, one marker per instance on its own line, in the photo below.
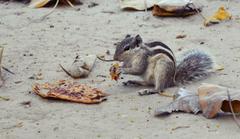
point(70, 91)
point(81, 66)
point(220, 15)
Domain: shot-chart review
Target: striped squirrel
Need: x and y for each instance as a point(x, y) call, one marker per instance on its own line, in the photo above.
point(155, 62)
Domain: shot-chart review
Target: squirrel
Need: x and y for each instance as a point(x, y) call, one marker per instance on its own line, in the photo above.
point(156, 63)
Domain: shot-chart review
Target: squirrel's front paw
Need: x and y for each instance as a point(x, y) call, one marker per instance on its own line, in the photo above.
point(144, 92)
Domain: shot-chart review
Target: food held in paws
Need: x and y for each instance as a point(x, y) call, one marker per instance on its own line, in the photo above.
point(115, 72)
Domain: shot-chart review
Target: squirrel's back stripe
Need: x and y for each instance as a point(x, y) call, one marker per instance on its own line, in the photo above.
point(156, 43)
point(162, 51)
point(159, 47)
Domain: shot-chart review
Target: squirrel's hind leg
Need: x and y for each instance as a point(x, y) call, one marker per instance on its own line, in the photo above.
point(163, 74)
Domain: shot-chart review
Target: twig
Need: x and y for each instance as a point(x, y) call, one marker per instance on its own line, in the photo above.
point(178, 127)
point(106, 60)
point(65, 70)
point(231, 108)
point(6, 69)
point(165, 95)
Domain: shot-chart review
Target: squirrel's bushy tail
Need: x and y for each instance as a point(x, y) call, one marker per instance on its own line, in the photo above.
point(195, 65)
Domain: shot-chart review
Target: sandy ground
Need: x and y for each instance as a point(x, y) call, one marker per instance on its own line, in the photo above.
point(41, 46)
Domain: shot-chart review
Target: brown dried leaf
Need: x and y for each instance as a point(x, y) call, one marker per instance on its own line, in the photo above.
point(70, 91)
point(173, 11)
point(214, 99)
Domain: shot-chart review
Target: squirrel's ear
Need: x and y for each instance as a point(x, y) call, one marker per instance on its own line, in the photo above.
point(138, 39)
point(127, 36)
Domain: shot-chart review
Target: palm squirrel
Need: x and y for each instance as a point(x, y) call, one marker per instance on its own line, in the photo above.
point(156, 64)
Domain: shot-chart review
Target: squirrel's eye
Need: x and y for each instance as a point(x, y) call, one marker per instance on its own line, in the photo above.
point(126, 48)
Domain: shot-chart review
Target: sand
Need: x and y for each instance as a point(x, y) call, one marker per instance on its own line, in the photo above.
point(39, 47)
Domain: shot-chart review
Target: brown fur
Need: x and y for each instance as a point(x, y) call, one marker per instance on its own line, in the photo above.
point(157, 70)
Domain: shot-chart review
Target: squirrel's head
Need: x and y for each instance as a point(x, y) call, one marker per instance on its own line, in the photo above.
point(125, 45)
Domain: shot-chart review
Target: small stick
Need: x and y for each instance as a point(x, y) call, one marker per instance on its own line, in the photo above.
point(65, 70)
point(106, 60)
point(6, 69)
point(231, 108)
point(186, 126)
point(166, 95)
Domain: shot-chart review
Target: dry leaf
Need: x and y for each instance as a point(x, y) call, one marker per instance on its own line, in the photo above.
point(220, 15)
point(70, 91)
point(184, 101)
point(81, 67)
point(214, 99)
point(174, 11)
point(143, 4)
point(115, 72)
point(210, 100)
